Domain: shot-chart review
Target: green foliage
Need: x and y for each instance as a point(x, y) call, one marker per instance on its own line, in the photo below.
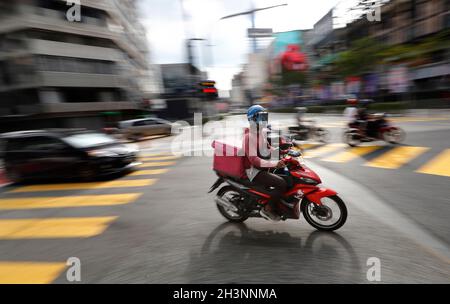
point(361, 58)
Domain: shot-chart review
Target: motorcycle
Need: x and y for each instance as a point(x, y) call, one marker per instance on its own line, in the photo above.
point(309, 132)
point(308, 129)
point(322, 208)
point(382, 129)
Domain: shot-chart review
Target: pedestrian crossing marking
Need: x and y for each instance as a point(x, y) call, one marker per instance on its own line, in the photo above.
point(67, 202)
point(396, 157)
point(167, 157)
point(351, 154)
point(440, 165)
point(42, 228)
point(86, 186)
point(149, 172)
point(30, 272)
point(322, 150)
point(156, 164)
point(304, 147)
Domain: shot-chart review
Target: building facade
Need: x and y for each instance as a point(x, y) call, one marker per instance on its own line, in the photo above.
point(60, 73)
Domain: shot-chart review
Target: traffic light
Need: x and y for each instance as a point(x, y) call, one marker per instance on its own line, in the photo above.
point(208, 89)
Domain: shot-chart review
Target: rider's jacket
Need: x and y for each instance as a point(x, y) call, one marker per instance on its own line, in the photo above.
point(252, 156)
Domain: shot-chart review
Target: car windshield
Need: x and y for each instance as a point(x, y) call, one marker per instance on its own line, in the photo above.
point(89, 140)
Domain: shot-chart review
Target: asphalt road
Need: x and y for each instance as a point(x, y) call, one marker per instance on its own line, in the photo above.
point(160, 226)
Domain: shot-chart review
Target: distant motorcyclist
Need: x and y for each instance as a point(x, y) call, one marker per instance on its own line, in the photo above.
point(258, 161)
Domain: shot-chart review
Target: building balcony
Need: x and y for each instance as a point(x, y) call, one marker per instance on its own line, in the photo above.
point(81, 80)
point(67, 80)
point(88, 107)
point(59, 108)
point(52, 20)
point(53, 48)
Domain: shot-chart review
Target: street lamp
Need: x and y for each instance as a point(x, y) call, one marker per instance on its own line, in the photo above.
point(190, 53)
point(252, 17)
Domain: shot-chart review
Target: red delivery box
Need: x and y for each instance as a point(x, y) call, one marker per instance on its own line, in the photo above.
point(228, 160)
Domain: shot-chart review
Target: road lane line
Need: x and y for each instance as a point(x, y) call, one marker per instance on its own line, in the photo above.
point(157, 164)
point(82, 227)
point(30, 272)
point(396, 157)
point(149, 172)
point(351, 154)
point(440, 165)
point(322, 150)
point(86, 186)
point(67, 202)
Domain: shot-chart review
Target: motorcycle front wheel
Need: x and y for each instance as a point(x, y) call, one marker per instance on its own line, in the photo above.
point(395, 136)
point(329, 216)
point(352, 139)
point(231, 196)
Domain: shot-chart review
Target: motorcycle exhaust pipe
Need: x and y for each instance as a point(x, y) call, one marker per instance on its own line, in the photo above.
point(220, 201)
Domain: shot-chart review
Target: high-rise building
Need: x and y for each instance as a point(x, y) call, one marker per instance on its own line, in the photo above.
point(57, 71)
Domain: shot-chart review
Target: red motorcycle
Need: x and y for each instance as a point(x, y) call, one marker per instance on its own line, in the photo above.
point(377, 127)
point(242, 199)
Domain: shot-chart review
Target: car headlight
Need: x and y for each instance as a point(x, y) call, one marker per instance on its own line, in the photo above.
point(101, 153)
point(133, 148)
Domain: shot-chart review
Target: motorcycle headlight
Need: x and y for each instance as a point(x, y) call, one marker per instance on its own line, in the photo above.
point(301, 160)
point(308, 181)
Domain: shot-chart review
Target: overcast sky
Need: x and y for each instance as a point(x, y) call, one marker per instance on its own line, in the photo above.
point(167, 31)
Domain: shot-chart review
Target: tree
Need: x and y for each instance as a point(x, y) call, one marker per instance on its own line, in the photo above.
point(361, 58)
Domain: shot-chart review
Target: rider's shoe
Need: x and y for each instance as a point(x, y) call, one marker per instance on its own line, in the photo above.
point(269, 215)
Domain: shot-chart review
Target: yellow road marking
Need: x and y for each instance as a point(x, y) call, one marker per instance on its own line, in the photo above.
point(307, 146)
point(351, 154)
point(323, 150)
point(419, 119)
point(82, 227)
point(149, 172)
point(86, 186)
point(440, 165)
point(29, 272)
point(67, 202)
point(396, 157)
point(157, 164)
point(169, 157)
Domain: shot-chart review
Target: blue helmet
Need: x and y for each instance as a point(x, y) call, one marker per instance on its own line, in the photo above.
point(253, 112)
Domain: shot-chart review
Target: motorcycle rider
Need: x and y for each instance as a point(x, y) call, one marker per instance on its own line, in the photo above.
point(258, 161)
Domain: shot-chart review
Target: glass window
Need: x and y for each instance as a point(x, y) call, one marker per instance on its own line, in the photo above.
point(40, 143)
point(88, 140)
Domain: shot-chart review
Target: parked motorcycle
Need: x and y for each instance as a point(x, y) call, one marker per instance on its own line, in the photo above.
point(377, 128)
point(241, 199)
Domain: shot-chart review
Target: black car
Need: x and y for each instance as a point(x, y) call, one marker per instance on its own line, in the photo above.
point(64, 154)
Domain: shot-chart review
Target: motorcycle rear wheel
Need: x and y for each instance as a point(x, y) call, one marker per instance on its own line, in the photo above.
point(229, 193)
point(322, 135)
point(308, 208)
